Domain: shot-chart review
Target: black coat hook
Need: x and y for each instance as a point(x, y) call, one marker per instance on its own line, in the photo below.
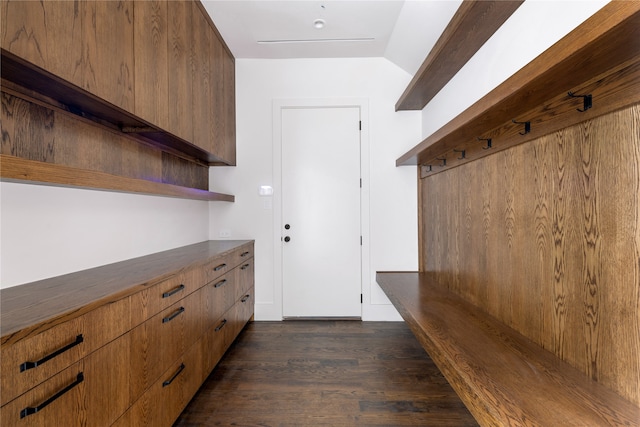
point(443, 160)
point(527, 127)
point(587, 101)
point(488, 141)
point(424, 169)
point(463, 154)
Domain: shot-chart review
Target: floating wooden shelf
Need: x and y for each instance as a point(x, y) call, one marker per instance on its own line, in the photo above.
point(81, 102)
point(604, 50)
point(472, 25)
point(16, 169)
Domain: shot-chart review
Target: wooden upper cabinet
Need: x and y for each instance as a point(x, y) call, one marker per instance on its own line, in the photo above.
point(108, 51)
point(47, 34)
point(229, 102)
point(161, 62)
point(223, 123)
point(151, 70)
point(202, 94)
point(180, 69)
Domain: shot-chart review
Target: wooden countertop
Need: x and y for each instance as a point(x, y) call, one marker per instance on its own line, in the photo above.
point(27, 307)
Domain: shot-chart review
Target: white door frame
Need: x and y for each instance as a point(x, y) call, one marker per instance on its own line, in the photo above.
point(278, 106)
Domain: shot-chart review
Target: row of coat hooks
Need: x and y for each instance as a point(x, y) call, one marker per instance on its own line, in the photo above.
point(587, 103)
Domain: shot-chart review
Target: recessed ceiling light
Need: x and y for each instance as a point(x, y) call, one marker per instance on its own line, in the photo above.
point(318, 24)
point(365, 39)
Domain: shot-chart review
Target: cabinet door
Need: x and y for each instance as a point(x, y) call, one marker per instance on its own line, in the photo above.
point(229, 102)
point(202, 108)
point(180, 69)
point(151, 69)
point(108, 51)
point(47, 34)
point(223, 102)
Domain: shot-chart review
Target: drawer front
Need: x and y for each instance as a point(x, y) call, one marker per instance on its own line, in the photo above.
point(245, 273)
point(161, 404)
point(30, 361)
point(241, 254)
point(218, 267)
point(91, 392)
point(161, 340)
point(221, 295)
point(151, 301)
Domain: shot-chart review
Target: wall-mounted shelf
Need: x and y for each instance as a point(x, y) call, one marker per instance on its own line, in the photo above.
point(16, 169)
point(81, 102)
point(584, 59)
point(472, 25)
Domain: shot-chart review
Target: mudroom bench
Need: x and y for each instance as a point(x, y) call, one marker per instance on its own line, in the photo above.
point(502, 377)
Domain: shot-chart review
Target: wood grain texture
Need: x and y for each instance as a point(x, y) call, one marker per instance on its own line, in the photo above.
point(27, 308)
point(503, 377)
point(15, 169)
point(560, 239)
point(151, 72)
point(337, 373)
point(201, 79)
point(612, 90)
point(49, 34)
point(34, 132)
point(108, 51)
point(604, 42)
point(180, 65)
point(472, 25)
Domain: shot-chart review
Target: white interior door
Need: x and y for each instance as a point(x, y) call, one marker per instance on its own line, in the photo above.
point(321, 246)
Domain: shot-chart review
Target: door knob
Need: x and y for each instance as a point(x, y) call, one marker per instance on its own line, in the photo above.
point(287, 238)
point(287, 226)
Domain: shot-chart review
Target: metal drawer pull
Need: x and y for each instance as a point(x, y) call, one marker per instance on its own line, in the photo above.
point(220, 267)
point(221, 325)
point(170, 380)
point(31, 365)
point(244, 267)
point(244, 254)
point(173, 291)
point(245, 298)
point(220, 283)
point(30, 410)
point(170, 318)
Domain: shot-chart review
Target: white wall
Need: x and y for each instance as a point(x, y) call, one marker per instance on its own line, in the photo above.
point(534, 27)
point(391, 238)
point(49, 231)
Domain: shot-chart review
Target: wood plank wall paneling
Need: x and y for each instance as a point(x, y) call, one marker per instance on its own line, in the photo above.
point(545, 237)
point(38, 133)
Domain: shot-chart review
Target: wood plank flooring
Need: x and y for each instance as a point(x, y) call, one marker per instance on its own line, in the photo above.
point(331, 373)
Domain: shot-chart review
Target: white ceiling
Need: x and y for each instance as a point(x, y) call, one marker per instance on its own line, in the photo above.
point(401, 31)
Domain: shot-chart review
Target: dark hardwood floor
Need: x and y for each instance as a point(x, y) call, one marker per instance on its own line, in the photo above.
point(329, 373)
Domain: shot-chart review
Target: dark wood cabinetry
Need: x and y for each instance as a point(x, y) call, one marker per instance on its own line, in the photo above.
point(128, 343)
point(155, 71)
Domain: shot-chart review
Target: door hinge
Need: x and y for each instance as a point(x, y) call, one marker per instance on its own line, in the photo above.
point(361, 300)
point(360, 125)
point(360, 182)
point(360, 240)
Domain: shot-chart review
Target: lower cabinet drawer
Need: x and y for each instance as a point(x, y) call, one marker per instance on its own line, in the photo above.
point(160, 341)
point(244, 277)
point(91, 392)
point(30, 361)
point(163, 402)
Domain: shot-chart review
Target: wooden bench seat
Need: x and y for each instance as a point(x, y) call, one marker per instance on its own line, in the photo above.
point(501, 376)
